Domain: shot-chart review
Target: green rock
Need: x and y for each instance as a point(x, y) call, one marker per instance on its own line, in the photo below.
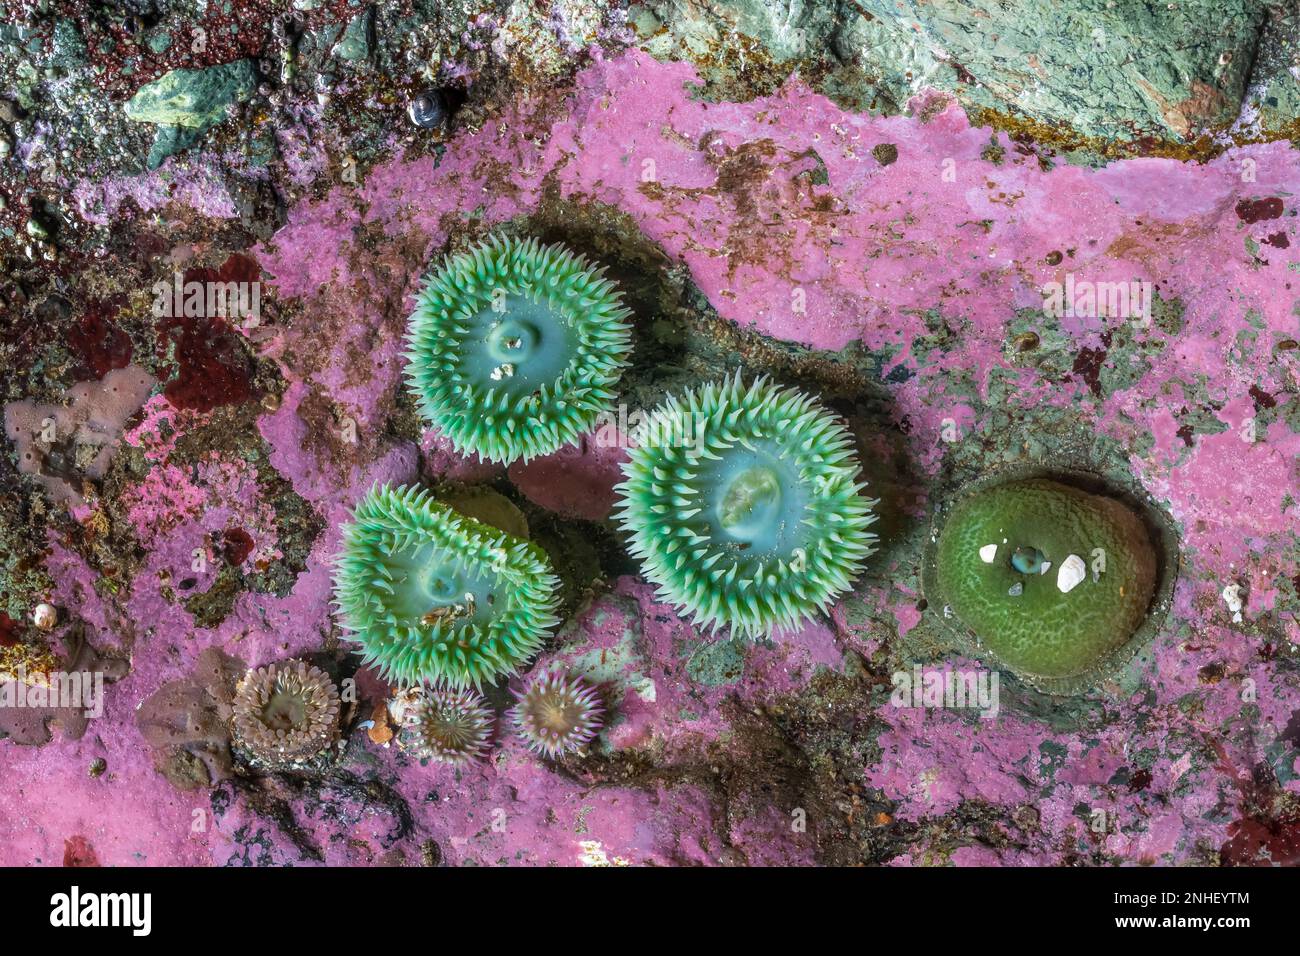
point(1275, 81)
point(355, 44)
point(187, 103)
point(787, 32)
point(1107, 69)
point(888, 65)
point(1113, 70)
point(194, 99)
point(717, 663)
point(170, 140)
point(68, 48)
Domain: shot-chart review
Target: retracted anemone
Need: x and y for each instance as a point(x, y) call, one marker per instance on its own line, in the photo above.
point(743, 505)
point(1053, 580)
point(286, 713)
point(514, 348)
point(557, 713)
point(431, 595)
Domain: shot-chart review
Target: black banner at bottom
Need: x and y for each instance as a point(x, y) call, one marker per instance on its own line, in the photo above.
point(132, 906)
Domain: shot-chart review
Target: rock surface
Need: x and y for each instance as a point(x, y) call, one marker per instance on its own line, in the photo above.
point(877, 202)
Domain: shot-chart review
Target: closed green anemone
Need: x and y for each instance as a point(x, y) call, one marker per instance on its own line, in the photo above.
point(1053, 580)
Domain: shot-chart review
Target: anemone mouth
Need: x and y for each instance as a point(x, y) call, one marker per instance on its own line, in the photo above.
point(433, 596)
point(286, 712)
point(1057, 575)
point(748, 504)
point(744, 507)
point(514, 348)
point(1029, 560)
point(448, 726)
point(524, 348)
point(432, 584)
point(557, 713)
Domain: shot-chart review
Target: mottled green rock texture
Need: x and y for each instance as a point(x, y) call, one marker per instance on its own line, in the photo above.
point(1046, 624)
point(193, 98)
point(356, 42)
point(1114, 69)
point(187, 103)
point(1275, 82)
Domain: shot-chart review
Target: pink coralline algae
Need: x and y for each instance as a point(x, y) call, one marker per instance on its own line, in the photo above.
point(576, 482)
point(918, 282)
point(215, 502)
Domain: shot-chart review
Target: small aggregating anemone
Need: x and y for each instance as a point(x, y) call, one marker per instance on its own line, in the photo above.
point(1052, 580)
point(744, 506)
point(433, 596)
point(285, 714)
point(557, 713)
point(514, 348)
point(446, 726)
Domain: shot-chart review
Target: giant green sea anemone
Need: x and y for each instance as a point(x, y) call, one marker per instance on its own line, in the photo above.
point(744, 505)
point(514, 348)
point(434, 596)
point(1052, 580)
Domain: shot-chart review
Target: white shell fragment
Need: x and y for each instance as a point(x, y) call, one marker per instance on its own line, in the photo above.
point(1232, 598)
point(45, 616)
point(1072, 571)
point(988, 553)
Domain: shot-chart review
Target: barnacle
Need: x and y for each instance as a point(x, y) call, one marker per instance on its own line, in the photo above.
point(556, 713)
point(744, 507)
point(1052, 579)
point(514, 348)
point(447, 726)
point(286, 713)
point(431, 595)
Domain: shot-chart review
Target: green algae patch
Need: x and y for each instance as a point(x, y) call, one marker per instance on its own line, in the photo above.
point(1050, 579)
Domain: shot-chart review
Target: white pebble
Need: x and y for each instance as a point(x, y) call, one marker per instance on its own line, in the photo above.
point(988, 553)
